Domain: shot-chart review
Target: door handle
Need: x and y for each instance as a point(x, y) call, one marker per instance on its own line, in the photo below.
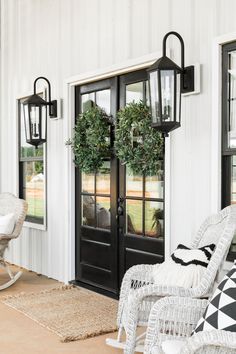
point(120, 211)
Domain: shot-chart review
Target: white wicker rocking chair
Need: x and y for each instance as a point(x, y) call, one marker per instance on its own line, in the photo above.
point(138, 293)
point(10, 204)
point(174, 318)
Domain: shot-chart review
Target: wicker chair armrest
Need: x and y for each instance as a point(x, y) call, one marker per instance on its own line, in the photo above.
point(161, 290)
point(5, 237)
point(215, 338)
point(135, 277)
point(173, 317)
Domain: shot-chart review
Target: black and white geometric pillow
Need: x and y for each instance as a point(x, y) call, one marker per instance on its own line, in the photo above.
point(221, 311)
point(200, 256)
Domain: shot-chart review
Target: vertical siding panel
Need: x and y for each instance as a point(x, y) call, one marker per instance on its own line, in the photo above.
point(61, 38)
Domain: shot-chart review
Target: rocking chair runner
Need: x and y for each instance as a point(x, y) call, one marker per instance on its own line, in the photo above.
point(138, 293)
point(10, 204)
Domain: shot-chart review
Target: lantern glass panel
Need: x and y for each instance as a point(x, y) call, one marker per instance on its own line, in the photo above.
point(34, 117)
point(27, 122)
point(178, 97)
point(154, 96)
point(168, 94)
point(44, 123)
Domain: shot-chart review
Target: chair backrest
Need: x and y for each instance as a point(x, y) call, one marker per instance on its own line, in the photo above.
point(220, 230)
point(11, 204)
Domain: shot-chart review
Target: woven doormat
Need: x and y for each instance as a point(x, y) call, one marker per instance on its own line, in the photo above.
point(72, 313)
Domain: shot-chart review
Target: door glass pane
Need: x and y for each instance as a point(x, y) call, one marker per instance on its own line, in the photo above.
point(103, 100)
point(103, 179)
point(88, 180)
point(103, 212)
point(134, 184)
point(232, 99)
point(233, 180)
point(154, 186)
point(134, 92)
point(134, 217)
point(154, 216)
point(88, 101)
point(88, 211)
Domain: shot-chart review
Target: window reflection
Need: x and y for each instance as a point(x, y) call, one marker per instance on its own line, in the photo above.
point(88, 211)
point(232, 99)
point(103, 212)
point(134, 217)
point(233, 179)
point(33, 189)
point(103, 179)
point(134, 184)
point(102, 218)
point(88, 181)
point(154, 218)
point(134, 92)
point(154, 186)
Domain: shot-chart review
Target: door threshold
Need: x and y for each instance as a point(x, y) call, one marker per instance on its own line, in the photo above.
point(96, 289)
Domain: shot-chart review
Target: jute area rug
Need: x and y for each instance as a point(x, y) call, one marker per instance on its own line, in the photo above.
point(72, 313)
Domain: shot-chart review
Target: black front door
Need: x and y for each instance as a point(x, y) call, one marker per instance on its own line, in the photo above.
point(141, 227)
point(107, 243)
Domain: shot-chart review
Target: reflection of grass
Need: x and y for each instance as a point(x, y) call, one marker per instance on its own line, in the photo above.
point(35, 207)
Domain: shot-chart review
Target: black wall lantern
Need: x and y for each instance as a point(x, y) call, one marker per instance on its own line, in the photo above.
point(166, 83)
point(35, 115)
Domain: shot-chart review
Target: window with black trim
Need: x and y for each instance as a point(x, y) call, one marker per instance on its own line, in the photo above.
point(32, 184)
point(229, 131)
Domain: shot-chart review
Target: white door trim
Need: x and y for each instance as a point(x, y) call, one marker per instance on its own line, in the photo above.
point(216, 119)
point(69, 89)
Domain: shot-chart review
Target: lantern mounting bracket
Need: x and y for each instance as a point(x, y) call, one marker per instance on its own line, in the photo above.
point(187, 76)
point(52, 104)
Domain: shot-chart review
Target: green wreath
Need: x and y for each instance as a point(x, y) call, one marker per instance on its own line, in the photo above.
point(137, 144)
point(91, 140)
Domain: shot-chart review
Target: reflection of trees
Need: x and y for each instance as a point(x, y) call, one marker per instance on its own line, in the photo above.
point(31, 151)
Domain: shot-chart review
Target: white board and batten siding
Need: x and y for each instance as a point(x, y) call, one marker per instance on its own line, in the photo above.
point(64, 38)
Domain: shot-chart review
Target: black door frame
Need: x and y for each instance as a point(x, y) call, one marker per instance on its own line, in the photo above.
point(111, 83)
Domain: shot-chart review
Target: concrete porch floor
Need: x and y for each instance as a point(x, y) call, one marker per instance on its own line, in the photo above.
point(21, 335)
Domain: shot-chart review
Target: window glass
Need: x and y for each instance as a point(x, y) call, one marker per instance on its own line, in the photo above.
point(233, 179)
point(134, 184)
point(88, 182)
point(103, 212)
point(134, 217)
point(154, 186)
point(229, 131)
point(88, 210)
point(134, 92)
point(32, 183)
point(103, 179)
point(33, 189)
point(232, 98)
point(103, 100)
point(154, 219)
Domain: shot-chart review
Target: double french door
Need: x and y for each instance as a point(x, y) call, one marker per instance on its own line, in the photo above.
point(119, 215)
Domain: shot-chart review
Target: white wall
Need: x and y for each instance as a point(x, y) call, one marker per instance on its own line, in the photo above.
point(62, 38)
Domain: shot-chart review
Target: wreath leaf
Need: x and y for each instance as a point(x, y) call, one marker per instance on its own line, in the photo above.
point(91, 141)
point(137, 144)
